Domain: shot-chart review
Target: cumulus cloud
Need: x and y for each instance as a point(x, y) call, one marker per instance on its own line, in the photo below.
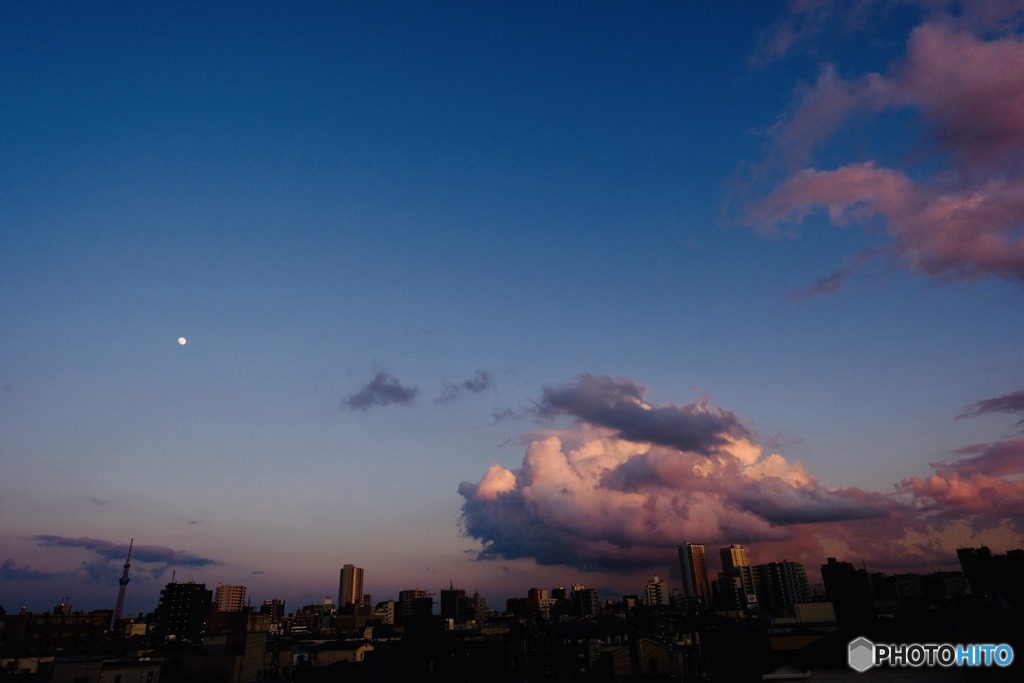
point(618, 492)
point(987, 488)
point(383, 390)
point(1007, 403)
point(618, 404)
point(478, 383)
point(959, 213)
point(618, 501)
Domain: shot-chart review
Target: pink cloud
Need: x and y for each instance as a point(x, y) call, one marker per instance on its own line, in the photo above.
point(605, 499)
point(969, 89)
point(956, 233)
point(592, 498)
point(987, 488)
point(1007, 403)
point(958, 214)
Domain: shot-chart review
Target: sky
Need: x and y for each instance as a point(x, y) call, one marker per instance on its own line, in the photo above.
point(504, 294)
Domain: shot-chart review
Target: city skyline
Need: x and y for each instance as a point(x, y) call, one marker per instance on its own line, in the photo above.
point(504, 296)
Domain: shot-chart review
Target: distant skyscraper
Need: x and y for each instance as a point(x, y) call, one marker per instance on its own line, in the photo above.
point(656, 593)
point(693, 566)
point(780, 586)
point(275, 608)
point(123, 581)
point(586, 601)
point(229, 598)
point(350, 586)
point(452, 602)
point(977, 566)
point(183, 611)
point(736, 589)
point(732, 557)
point(415, 603)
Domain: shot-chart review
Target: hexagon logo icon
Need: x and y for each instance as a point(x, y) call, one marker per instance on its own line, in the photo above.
point(862, 654)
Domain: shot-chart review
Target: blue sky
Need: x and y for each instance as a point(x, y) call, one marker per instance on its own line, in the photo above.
point(521, 197)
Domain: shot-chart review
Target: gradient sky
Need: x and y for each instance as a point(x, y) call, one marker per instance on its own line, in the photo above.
point(507, 294)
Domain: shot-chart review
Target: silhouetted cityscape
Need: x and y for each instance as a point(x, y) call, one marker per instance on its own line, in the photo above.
point(751, 622)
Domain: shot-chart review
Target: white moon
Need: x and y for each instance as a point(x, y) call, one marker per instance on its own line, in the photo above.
point(182, 340)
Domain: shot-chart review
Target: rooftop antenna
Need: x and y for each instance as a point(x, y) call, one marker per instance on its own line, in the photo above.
point(123, 581)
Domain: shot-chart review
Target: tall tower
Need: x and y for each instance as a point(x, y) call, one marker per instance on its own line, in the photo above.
point(350, 586)
point(693, 566)
point(123, 581)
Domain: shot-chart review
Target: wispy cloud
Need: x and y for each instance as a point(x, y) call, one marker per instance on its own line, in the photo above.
point(164, 558)
point(478, 383)
point(383, 390)
point(1007, 403)
point(958, 214)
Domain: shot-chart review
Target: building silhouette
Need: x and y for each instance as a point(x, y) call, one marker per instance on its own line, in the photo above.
point(123, 583)
point(452, 600)
point(183, 611)
point(586, 601)
point(274, 608)
point(849, 589)
point(780, 586)
point(416, 606)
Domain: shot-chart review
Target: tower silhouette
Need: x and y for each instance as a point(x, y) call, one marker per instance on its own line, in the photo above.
point(123, 581)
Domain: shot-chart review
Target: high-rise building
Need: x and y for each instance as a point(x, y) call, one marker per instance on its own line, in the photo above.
point(780, 586)
point(586, 601)
point(273, 607)
point(656, 593)
point(385, 611)
point(415, 604)
point(977, 566)
point(848, 589)
point(475, 608)
point(350, 586)
point(183, 611)
point(732, 557)
point(735, 589)
point(693, 566)
point(229, 598)
point(452, 603)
